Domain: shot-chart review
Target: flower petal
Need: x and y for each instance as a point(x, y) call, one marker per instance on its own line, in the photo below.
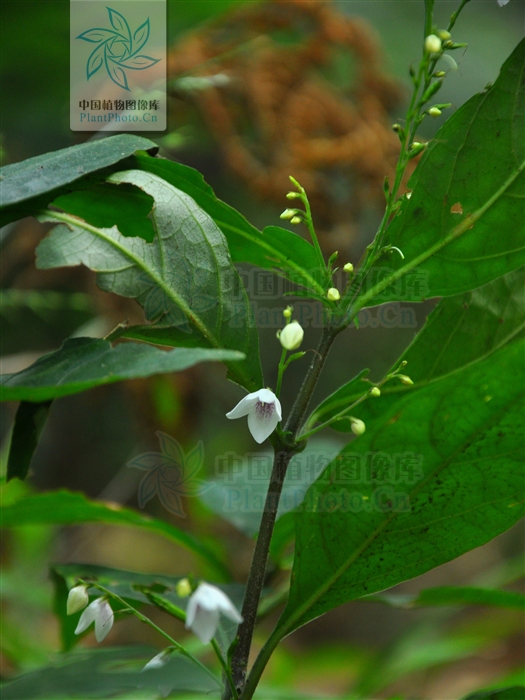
point(87, 617)
point(262, 423)
point(104, 620)
point(245, 405)
point(205, 624)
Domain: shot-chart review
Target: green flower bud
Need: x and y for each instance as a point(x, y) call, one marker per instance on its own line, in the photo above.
point(288, 213)
point(432, 44)
point(333, 294)
point(296, 220)
point(287, 313)
point(292, 336)
point(405, 380)
point(434, 112)
point(183, 588)
point(77, 599)
point(444, 35)
point(348, 268)
point(375, 391)
point(357, 426)
point(293, 195)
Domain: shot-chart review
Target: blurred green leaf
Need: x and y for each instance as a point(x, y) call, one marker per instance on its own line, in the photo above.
point(67, 508)
point(453, 595)
point(84, 363)
point(466, 328)
point(275, 248)
point(106, 205)
point(461, 485)
point(456, 252)
point(29, 422)
point(107, 673)
point(30, 185)
point(184, 278)
point(517, 692)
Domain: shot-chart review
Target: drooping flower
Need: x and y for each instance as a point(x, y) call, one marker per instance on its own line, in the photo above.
point(158, 661)
point(99, 612)
point(204, 608)
point(291, 335)
point(77, 599)
point(263, 409)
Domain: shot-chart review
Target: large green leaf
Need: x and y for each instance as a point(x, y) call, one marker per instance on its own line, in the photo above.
point(109, 673)
point(275, 248)
point(29, 422)
point(84, 363)
point(66, 508)
point(452, 595)
point(30, 185)
point(439, 474)
point(185, 277)
point(474, 166)
point(466, 328)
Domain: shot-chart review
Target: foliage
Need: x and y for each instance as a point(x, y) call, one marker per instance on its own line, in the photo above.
point(436, 454)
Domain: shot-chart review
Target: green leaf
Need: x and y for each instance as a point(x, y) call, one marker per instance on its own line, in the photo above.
point(439, 474)
point(30, 419)
point(274, 249)
point(475, 166)
point(185, 278)
point(106, 205)
point(516, 692)
point(453, 595)
point(109, 673)
point(66, 508)
point(84, 363)
point(30, 185)
point(466, 328)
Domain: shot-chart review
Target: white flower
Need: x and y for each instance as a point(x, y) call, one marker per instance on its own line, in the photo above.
point(502, 2)
point(291, 336)
point(204, 607)
point(77, 599)
point(99, 612)
point(263, 409)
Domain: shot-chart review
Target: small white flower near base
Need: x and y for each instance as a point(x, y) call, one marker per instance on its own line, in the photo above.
point(204, 608)
point(99, 612)
point(263, 409)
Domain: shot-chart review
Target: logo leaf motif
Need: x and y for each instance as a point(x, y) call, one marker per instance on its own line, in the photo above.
point(148, 487)
point(147, 461)
point(171, 499)
point(94, 61)
point(96, 35)
point(141, 35)
point(119, 22)
point(139, 62)
point(116, 73)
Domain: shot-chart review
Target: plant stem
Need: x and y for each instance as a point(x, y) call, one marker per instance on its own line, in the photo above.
point(285, 448)
point(280, 372)
point(225, 667)
point(149, 622)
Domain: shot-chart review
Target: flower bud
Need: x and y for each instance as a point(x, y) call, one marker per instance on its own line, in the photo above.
point(183, 588)
point(77, 599)
point(439, 74)
point(416, 149)
point(405, 380)
point(434, 112)
point(293, 195)
point(288, 214)
point(375, 391)
point(333, 294)
point(348, 268)
point(444, 35)
point(287, 313)
point(295, 220)
point(292, 336)
point(357, 426)
point(432, 44)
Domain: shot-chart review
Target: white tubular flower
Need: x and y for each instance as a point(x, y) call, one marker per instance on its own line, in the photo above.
point(292, 336)
point(158, 661)
point(263, 409)
point(204, 607)
point(77, 599)
point(99, 612)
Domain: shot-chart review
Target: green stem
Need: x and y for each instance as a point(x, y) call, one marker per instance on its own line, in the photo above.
point(225, 667)
point(280, 372)
point(182, 650)
point(337, 417)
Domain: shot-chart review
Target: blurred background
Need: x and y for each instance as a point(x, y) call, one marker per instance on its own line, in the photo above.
point(258, 91)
